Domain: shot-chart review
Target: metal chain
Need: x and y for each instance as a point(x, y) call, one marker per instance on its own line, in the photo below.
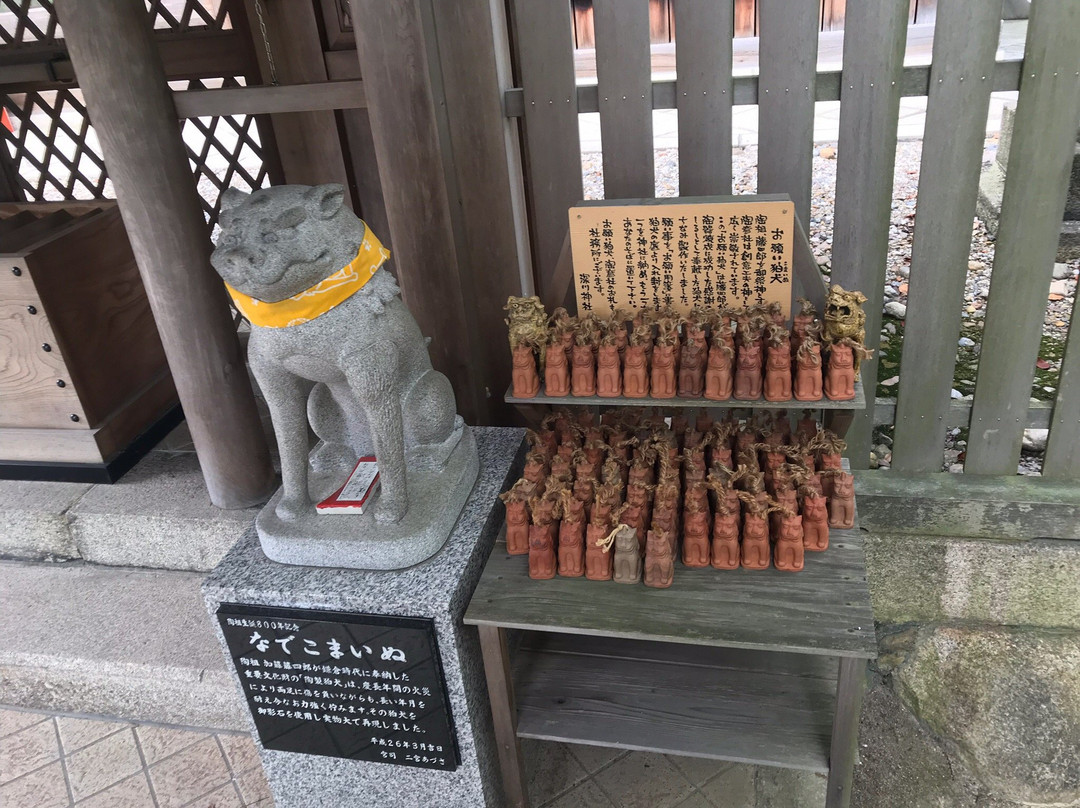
point(266, 42)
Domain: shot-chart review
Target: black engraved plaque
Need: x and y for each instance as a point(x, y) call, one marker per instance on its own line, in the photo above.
point(357, 686)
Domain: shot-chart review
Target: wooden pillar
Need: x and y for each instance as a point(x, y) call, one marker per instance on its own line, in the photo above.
point(120, 73)
point(433, 76)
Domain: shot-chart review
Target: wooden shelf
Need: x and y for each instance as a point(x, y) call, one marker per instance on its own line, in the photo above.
point(857, 403)
point(748, 706)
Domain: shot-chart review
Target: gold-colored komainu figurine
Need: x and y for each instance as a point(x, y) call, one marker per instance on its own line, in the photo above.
point(527, 321)
point(845, 318)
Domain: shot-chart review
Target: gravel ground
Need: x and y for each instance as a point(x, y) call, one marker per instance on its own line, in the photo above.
point(981, 259)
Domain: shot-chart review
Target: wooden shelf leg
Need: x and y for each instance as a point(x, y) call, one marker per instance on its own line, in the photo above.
point(839, 421)
point(845, 734)
point(504, 713)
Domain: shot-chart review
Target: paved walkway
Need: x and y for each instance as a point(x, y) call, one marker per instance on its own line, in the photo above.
point(57, 761)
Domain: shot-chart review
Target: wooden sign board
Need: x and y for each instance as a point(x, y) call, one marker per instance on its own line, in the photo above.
point(712, 252)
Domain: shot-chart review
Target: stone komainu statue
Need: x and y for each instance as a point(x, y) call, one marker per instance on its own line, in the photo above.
point(333, 347)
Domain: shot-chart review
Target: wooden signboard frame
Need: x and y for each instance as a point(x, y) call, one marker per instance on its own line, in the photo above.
point(807, 280)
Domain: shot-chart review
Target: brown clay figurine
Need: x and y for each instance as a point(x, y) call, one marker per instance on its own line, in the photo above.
point(525, 378)
point(597, 560)
point(659, 564)
point(636, 367)
point(696, 523)
point(542, 534)
point(748, 365)
point(608, 373)
point(808, 382)
point(526, 321)
point(517, 520)
point(572, 537)
point(692, 370)
point(778, 365)
point(788, 553)
point(841, 373)
point(815, 520)
point(725, 538)
point(842, 501)
point(556, 370)
point(662, 380)
point(802, 320)
point(718, 373)
point(627, 561)
point(583, 373)
point(755, 533)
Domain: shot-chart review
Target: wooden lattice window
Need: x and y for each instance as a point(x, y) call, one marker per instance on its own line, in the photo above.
point(53, 147)
point(24, 21)
point(185, 15)
point(225, 150)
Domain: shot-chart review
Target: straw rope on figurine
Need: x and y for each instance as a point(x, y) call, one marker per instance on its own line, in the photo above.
point(635, 501)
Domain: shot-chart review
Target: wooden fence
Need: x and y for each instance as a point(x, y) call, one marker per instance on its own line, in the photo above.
point(957, 85)
point(496, 215)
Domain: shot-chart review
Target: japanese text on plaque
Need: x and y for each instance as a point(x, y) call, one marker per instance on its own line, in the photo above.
point(706, 253)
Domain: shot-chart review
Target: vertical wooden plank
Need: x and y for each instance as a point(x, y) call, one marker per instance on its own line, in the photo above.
point(409, 138)
point(487, 205)
point(789, 38)
point(850, 687)
point(1040, 156)
point(500, 685)
point(703, 91)
point(308, 143)
point(123, 81)
point(624, 81)
point(1062, 458)
point(545, 57)
point(965, 41)
point(874, 38)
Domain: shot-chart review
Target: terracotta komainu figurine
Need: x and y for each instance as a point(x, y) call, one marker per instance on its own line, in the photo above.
point(696, 523)
point(719, 379)
point(627, 561)
point(608, 373)
point(636, 367)
point(842, 501)
point(815, 520)
point(524, 376)
point(748, 365)
point(806, 316)
point(778, 365)
point(556, 368)
point(542, 534)
point(571, 551)
point(598, 562)
point(662, 380)
point(725, 538)
point(583, 372)
point(842, 370)
point(659, 564)
point(517, 519)
point(692, 369)
point(755, 532)
point(808, 382)
point(788, 553)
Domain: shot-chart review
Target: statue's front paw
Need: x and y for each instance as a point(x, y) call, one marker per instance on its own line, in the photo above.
point(389, 511)
point(289, 510)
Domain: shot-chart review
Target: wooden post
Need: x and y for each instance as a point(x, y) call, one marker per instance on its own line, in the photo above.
point(438, 133)
point(121, 75)
point(500, 684)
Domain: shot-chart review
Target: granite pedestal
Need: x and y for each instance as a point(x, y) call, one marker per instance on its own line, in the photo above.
point(438, 588)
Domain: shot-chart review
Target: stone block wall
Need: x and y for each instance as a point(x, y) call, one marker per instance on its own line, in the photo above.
point(974, 701)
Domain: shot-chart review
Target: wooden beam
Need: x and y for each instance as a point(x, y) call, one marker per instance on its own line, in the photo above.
point(308, 142)
point(322, 95)
point(123, 82)
point(408, 137)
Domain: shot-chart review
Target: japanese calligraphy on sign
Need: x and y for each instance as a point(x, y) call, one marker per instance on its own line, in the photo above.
point(683, 252)
point(363, 687)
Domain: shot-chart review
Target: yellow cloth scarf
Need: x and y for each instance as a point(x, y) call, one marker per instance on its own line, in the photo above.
point(321, 297)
